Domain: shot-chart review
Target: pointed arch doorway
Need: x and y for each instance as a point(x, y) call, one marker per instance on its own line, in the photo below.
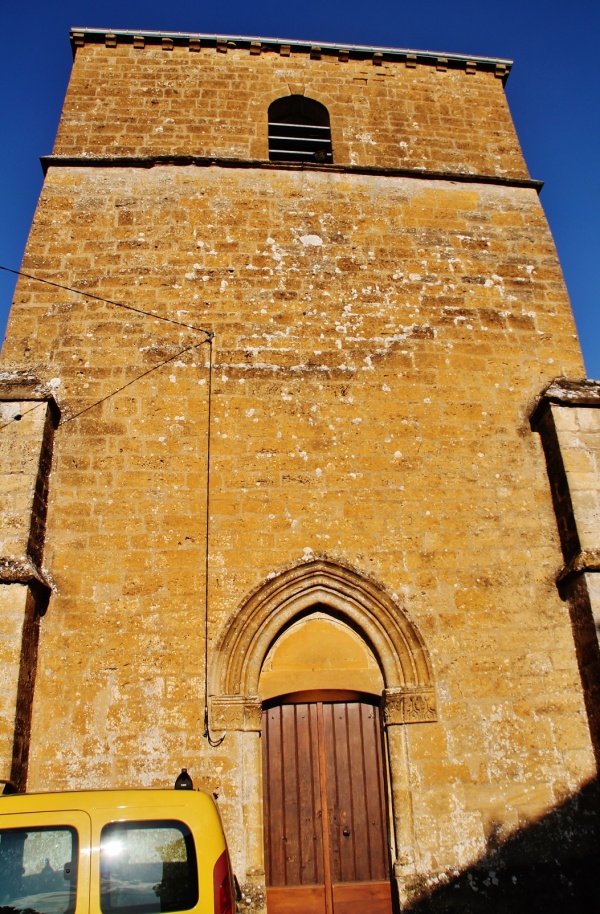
point(244, 681)
point(324, 785)
point(325, 810)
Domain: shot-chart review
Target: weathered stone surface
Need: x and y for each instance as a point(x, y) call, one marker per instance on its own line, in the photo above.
point(236, 712)
point(380, 343)
point(26, 455)
point(12, 614)
point(127, 102)
point(408, 706)
point(578, 432)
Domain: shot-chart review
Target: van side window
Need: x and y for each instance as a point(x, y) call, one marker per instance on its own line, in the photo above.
point(38, 869)
point(147, 867)
point(299, 131)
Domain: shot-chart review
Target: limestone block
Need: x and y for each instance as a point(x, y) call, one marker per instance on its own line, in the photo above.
point(20, 444)
point(577, 429)
point(12, 613)
point(593, 587)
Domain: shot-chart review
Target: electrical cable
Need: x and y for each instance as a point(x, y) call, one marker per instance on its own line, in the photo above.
point(211, 742)
point(209, 338)
point(133, 380)
point(20, 416)
point(108, 301)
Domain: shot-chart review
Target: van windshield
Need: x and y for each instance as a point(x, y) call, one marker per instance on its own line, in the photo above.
point(38, 870)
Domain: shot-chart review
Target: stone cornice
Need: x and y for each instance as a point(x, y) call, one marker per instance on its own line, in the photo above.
point(256, 45)
point(565, 392)
point(23, 385)
point(26, 572)
point(588, 560)
point(150, 161)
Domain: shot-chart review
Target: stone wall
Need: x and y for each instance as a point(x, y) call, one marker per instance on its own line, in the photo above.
point(148, 101)
point(380, 343)
point(568, 419)
point(28, 417)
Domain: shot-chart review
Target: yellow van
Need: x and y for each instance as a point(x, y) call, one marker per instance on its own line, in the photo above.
point(113, 852)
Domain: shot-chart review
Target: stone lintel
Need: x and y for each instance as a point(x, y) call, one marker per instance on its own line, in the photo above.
point(236, 712)
point(409, 706)
point(400, 706)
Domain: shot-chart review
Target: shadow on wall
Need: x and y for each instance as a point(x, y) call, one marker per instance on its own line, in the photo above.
point(551, 866)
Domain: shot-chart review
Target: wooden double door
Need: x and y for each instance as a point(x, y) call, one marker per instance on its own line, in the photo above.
point(326, 825)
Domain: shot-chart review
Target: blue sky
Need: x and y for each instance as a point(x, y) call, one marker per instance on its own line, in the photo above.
point(553, 91)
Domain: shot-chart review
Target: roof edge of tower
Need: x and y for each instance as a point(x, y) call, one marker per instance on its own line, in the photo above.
point(80, 35)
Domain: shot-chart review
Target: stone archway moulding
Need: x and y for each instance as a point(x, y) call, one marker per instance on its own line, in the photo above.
point(409, 693)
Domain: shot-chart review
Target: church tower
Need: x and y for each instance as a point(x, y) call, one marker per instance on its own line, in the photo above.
point(298, 476)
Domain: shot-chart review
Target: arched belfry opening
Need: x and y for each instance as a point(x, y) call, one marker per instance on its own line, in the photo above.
point(299, 131)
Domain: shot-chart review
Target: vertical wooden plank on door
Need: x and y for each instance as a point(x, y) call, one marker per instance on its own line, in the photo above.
point(340, 800)
point(360, 790)
point(325, 810)
point(291, 818)
point(274, 802)
point(377, 821)
point(309, 798)
point(318, 819)
point(292, 809)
